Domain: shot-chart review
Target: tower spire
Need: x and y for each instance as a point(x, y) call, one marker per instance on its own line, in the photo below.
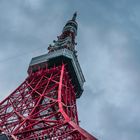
point(74, 16)
point(67, 37)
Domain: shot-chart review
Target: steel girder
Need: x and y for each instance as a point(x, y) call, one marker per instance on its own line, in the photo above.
point(43, 107)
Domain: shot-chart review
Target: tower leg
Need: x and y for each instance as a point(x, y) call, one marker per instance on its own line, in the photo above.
point(42, 107)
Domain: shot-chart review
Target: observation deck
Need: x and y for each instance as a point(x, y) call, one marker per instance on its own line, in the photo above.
point(58, 57)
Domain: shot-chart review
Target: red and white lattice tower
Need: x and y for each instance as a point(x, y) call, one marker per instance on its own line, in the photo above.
point(43, 107)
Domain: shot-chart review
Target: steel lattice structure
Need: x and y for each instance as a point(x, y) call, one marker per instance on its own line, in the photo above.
point(44, 107)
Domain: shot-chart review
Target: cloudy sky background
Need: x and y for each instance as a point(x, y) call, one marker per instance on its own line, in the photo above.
point(108, 49)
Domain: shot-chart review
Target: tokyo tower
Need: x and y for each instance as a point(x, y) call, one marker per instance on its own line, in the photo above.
point(44, 107)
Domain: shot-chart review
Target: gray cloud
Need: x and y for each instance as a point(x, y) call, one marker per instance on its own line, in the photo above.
point(108, 49)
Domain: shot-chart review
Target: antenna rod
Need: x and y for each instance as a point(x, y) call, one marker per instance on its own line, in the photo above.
point(74, 16)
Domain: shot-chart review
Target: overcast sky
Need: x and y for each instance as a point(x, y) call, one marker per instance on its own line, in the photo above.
point(108, 51)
